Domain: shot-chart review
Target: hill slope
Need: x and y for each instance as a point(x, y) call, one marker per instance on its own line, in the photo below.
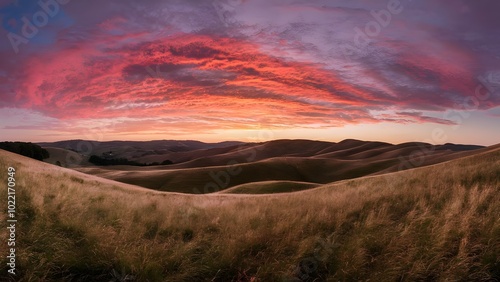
point(270, 187)
point(193, 154)
point(316, 162)
point(65, 158)
point(436, 223)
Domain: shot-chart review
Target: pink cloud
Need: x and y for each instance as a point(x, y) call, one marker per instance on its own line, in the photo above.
point(186, 75)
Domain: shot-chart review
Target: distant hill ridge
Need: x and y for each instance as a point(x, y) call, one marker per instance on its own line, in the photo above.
point(181, 145)
point(180, 151)
point(208, 170)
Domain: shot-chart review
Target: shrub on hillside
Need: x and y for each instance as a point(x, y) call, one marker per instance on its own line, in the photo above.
point(121, 161)
point(29, 150)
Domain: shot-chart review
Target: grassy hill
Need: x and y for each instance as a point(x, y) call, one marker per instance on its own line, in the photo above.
point(195, 180)
point(141, 151)
point(270, 187)
point(436, 223)
point(65, 158)
point(192, 154)
point(316, 162)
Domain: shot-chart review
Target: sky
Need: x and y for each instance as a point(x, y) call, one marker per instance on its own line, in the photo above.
point(250, 70)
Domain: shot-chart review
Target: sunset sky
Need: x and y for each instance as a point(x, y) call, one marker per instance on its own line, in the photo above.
point(250, 70)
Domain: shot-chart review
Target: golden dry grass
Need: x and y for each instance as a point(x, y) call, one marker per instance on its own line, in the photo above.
point(269, 187)
point(279, 160)
point(65, 158)
point(437, 223)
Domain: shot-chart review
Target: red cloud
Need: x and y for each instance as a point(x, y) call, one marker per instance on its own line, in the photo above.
point(204, 80)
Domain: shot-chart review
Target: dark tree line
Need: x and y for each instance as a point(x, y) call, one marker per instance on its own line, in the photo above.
point(29, 150)
point(122, 161)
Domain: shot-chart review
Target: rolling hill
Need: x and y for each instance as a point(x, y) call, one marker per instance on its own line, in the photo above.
point(191, 154)
point(270, 187)
point(315, 162)
point(435, 223)
point(66, 158)
point(136, 150)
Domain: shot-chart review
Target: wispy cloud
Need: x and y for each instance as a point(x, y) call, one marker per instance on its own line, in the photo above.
point(212, 69)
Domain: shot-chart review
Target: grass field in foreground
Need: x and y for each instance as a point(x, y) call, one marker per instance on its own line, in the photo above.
point(437, 223)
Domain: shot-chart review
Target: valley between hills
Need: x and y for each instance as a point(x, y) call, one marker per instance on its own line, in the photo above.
point(373, 221)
